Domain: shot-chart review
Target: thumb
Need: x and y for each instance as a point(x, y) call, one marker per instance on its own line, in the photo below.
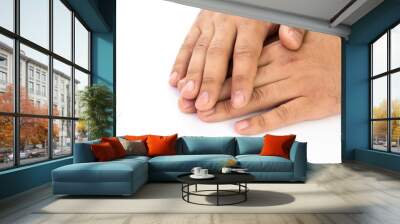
point(291, 38)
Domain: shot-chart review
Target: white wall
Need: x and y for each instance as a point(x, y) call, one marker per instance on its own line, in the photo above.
point(149, 34)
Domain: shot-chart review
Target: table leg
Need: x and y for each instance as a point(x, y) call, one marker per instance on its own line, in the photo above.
point(245, 193)
point(195, 188)
point(217, 194)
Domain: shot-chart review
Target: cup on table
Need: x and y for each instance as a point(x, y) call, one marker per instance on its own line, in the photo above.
point(203, 172)
point(196, 171)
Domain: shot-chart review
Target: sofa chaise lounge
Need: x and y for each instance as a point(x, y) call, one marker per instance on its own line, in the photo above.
point(125, 176)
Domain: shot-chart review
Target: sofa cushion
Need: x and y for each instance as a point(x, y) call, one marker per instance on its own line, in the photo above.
point(193, 145)
point(249, 145)
point(112, 171)
point(257, 163)
point(161, 145)
point(275, 145)
point(103, 152)
point(185, 163)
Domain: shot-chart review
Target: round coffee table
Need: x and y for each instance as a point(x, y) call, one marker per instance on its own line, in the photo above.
point(238, 179)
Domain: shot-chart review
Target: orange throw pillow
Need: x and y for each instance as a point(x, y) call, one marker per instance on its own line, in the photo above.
point(161, 145)
point(136, 138)
point(103, 152)
point(116, 145)
point(277, 145)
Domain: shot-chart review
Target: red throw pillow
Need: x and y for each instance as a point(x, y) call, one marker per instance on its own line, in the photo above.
point(277, 145)
point(161, 145)
point(116, 145)
point(103, 152)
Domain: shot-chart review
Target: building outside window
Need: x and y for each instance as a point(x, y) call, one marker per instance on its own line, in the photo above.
point(385, 91)
point(30, 87)
point(60, 127)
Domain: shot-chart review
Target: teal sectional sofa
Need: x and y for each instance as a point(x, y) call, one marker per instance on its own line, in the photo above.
point(125, 176)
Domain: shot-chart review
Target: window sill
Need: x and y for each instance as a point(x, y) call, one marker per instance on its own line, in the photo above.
point(26, 167)
point(390, 161)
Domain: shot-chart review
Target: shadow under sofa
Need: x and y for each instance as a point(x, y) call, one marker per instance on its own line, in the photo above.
point(125, 176)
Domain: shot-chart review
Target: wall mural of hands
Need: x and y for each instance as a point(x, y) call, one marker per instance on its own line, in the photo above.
point(229, 67)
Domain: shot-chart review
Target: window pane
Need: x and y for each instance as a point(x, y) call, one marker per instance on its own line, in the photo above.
point(395, 136)
point(379, 55)
point(81, 131)
point(62, 89)
point(379, 135)
point(6, 142)
point(33, 140)
point(81, 82)
point(62, 138)
point(81, 45)
point(34, 97)
point(395, 47)
point(395, 94)
point(6, 74)
point(62, 29)
point(7, 14)
point(35, 21)
point(379, 97)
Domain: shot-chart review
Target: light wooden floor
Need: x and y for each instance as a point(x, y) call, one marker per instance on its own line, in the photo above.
point(351, 181)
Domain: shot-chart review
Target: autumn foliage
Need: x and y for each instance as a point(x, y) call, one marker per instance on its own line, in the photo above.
point(380, 127)
point(33, 131)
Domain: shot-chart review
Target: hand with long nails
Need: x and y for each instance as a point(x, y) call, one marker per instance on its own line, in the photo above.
point(215, 42)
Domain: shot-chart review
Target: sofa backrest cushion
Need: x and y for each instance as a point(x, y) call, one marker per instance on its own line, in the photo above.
point(195, 145)
point(249, 145)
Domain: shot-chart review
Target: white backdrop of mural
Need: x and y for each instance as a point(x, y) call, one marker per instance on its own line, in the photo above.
point(149, 34)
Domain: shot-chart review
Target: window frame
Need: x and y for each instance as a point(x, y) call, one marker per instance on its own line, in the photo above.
point(388, 74)
point(16, 114)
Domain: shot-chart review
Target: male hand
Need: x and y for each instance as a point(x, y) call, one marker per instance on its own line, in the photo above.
point(214, 40)
point(290, 87)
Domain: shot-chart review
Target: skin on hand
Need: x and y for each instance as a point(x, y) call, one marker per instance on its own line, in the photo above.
point(214, 40)
point(290, 87)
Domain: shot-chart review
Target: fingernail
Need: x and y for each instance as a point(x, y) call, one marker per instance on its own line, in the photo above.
point(296, 34)
point(173, 76)
point(241, 125)
point(202, 99)
point(238, 99)
point(187, 103)
point(189, 86)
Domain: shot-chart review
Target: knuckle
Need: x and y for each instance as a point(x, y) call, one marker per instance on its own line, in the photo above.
point(227, 106)
point(202, 43)
point(217, 49)
point(244, 51)
point(210, 80)
point(241, 79)
point(282, 112)
point(260, 121)
point(258, 95)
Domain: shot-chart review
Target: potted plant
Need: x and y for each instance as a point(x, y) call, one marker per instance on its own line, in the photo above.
point(96, 102)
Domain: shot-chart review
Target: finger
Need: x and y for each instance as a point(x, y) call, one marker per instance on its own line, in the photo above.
point(216, 67)
point(186, 106)
point(182, 59)
point(180, 84)
point(265, 75)
point(263, 98)
point(294, 111)
point(248, 47)
point(290, 37)
point(196, 66)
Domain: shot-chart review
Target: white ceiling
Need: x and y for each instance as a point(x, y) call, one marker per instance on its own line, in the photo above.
point(328, 16)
